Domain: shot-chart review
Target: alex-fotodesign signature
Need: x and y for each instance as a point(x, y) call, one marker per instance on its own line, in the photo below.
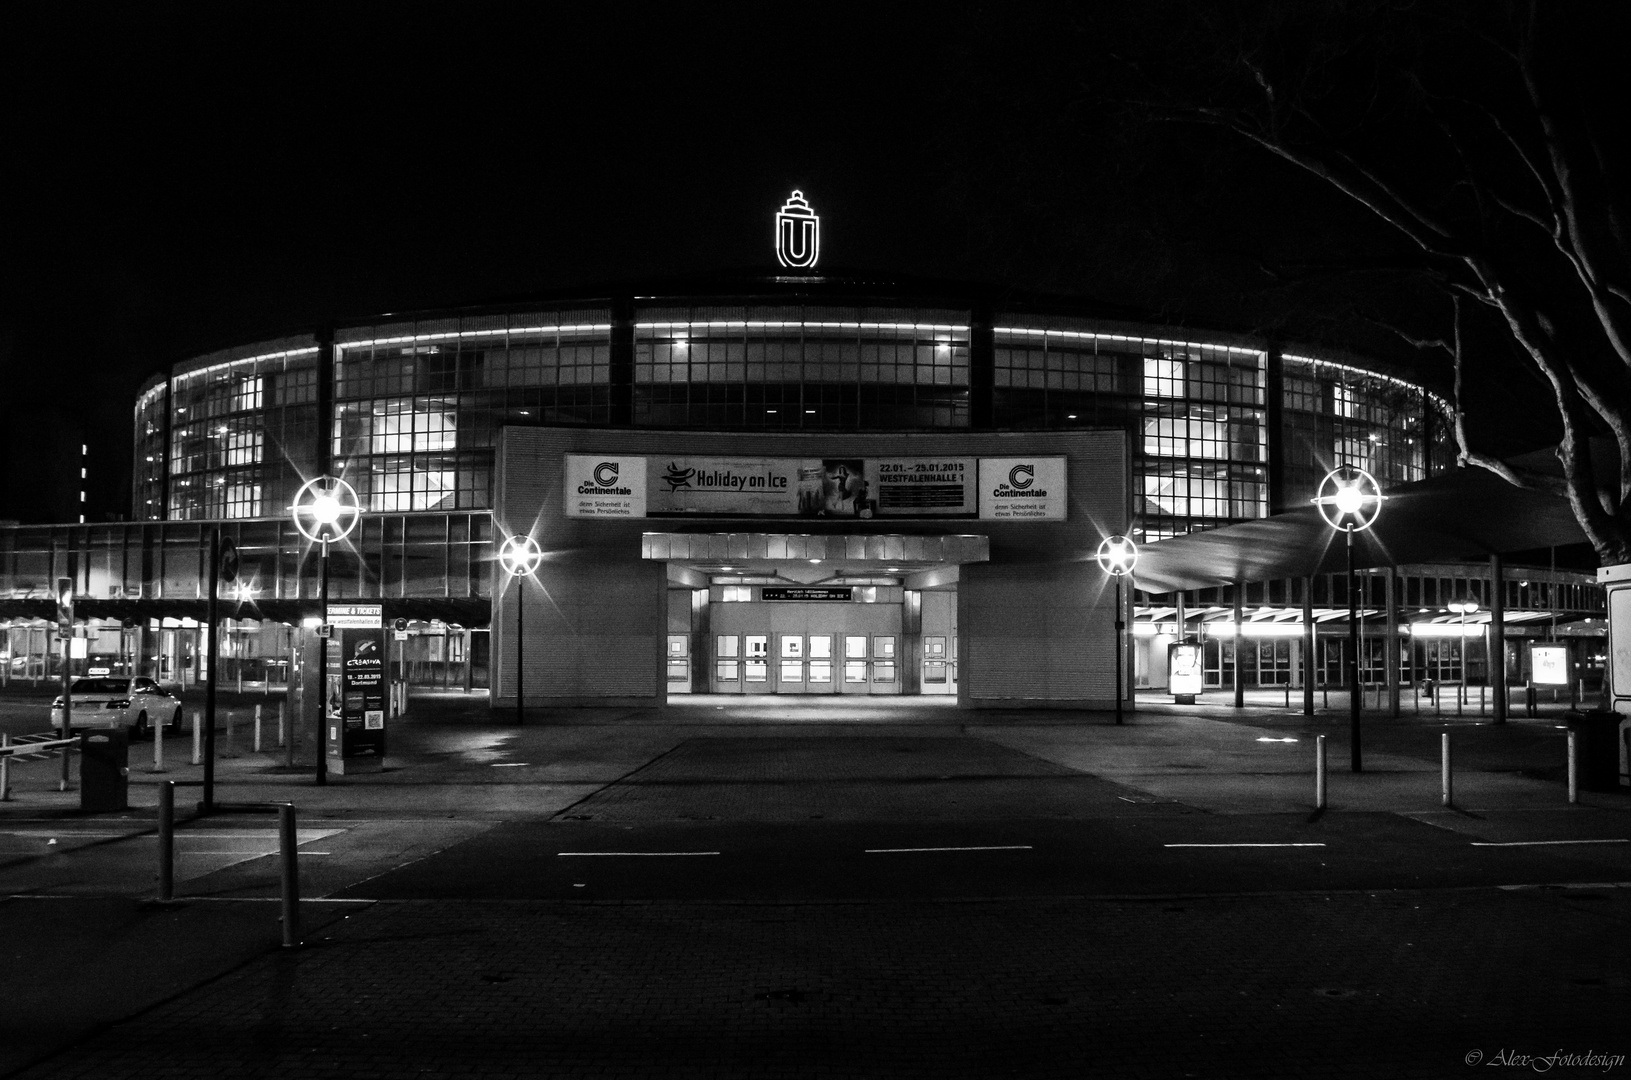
point(1543, 1063)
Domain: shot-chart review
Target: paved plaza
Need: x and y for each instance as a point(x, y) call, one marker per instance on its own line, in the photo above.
point(717, 890)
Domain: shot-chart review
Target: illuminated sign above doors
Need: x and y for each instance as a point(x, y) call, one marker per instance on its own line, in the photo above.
point(993, 489)
point(798, 234)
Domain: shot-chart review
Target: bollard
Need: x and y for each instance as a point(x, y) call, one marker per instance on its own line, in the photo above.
point(1481, 696)
point(5, 768)
point(1444, 765)
point(257, 729)
point(158, 747)
point(232, 734)
point(1574, 769)
point(287, 841)
point(167, 841)
point(282, 734)
point(198, 740)
point(1319, 772)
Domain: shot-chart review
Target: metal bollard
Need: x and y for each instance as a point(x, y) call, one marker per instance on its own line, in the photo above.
point(257, 729)
point(282, 732)
point(158, 747)
point(1444, 765)
point(167, 841)
point(5, 768)
point(1319, 772)
point(198, 740)
point(232, 733)
point(1574, 769)
point(287, 844)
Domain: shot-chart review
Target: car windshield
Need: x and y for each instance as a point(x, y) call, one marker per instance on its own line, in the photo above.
point(101, 686)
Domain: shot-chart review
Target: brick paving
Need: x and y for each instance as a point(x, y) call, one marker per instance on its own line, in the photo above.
point(1404, 984)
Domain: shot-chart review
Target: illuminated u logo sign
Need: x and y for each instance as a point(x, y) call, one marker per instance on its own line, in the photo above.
point(1021, 477)
point(798, 234)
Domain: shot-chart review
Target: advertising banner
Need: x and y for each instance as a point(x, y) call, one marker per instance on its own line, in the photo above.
point(603, 486)
point(1022, 489)
point(598, 486)
point(924, 487)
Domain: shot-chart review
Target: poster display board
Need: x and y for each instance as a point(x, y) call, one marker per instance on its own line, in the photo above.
point(1184, 671)
point(607, 486)
point(1549, 664)
point(355, 706)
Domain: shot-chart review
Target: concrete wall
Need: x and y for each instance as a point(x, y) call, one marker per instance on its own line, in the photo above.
point(1035, 623)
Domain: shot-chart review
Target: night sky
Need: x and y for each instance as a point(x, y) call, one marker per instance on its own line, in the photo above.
point(180, 179)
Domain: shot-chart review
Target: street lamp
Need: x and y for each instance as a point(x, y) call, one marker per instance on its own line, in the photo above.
point(325, 511)
point(1117, 556)
point(1350, 501)
point(519, 556)
point(1463, 608)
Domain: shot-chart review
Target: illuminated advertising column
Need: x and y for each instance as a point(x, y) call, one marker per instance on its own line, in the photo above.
point(354, 695)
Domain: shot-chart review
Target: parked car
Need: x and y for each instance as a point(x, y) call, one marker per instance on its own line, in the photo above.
point(119, 701)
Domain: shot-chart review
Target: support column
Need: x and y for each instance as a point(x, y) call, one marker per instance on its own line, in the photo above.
point(1495, 662)
point(1178, 614)
point(982, 366)
point(1308, 646)
point(1240, 667)
point(1390, 651)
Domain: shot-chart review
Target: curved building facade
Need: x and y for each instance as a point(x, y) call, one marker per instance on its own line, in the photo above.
point(1223, 428)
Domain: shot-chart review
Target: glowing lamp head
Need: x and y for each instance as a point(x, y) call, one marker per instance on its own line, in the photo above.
point(1349, 498)
point(520, 556)
point(325, 509)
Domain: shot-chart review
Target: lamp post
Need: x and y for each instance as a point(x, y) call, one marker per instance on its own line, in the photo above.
point(519, 556)
point(1350, 501)
point(325, 511)
point(1462, 609)
point(1116, 556)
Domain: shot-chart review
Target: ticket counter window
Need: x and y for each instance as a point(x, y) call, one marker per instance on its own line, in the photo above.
point(727, 671)
point(855, 671)
point(883, 647)
point(792, 671)
point(855, 648)
point(883, 671)
point(758, 646)
point(726, 646)
point(756, 671)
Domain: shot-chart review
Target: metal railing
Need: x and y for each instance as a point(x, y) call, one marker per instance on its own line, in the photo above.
point(31, 744)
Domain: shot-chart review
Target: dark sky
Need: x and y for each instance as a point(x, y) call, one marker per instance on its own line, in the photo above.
point(177, 179)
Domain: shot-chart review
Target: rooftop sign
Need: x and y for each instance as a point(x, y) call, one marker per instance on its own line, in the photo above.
point(798, 234)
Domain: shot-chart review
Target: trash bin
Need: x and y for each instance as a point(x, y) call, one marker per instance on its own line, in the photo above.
point(104, 771)
point(1597, 745)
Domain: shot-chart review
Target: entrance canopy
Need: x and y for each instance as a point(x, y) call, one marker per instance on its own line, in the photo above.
point(842, 555)
point(1465, 514)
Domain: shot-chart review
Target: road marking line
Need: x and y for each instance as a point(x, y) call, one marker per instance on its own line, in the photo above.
point(982, 847)
point(1544, 843)
point(589, 854)
point(1242, 845)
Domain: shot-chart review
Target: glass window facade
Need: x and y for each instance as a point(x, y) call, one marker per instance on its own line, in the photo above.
point(417, 404)
point(789, 368)
point(243, 426)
